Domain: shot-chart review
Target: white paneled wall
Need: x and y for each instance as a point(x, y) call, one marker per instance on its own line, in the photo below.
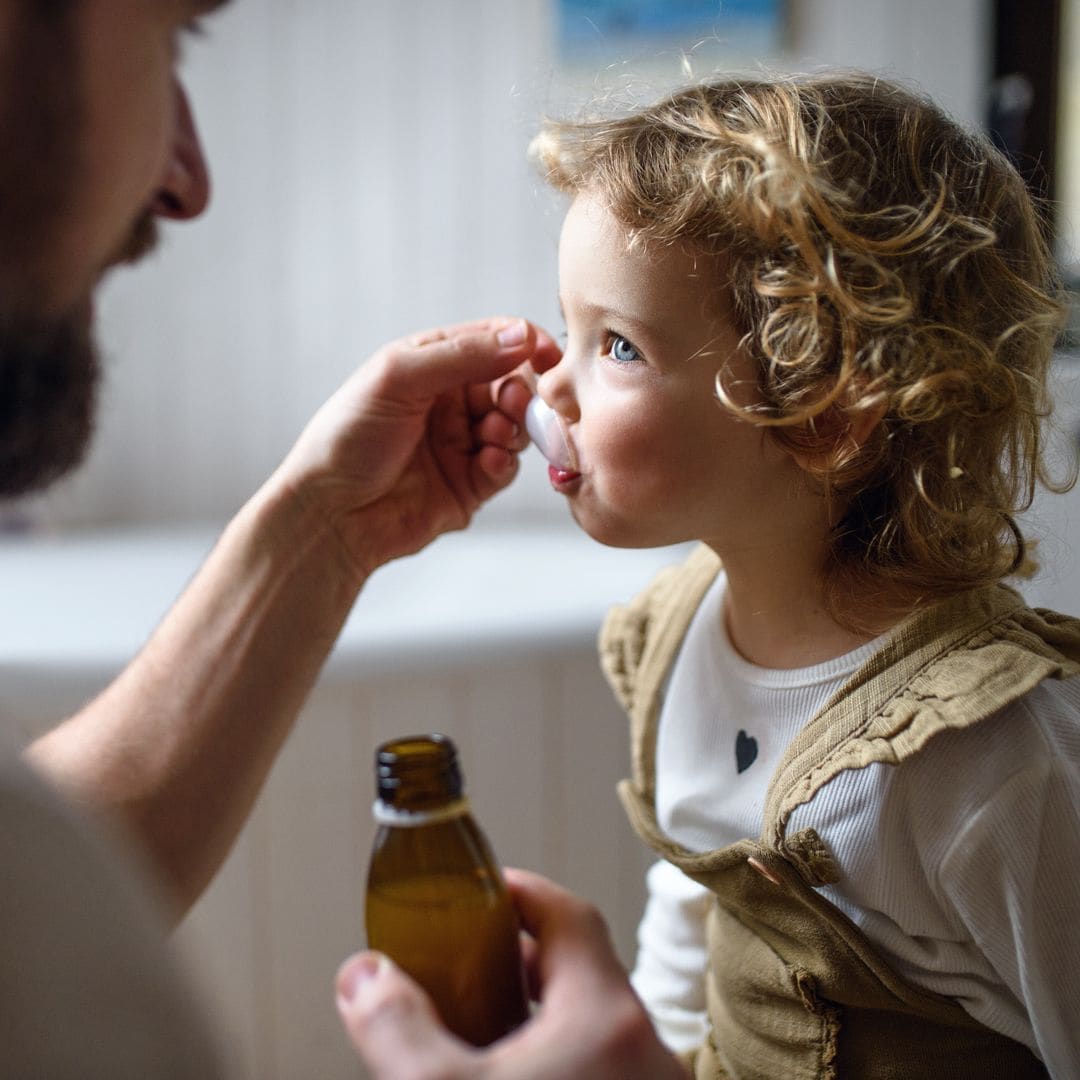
point(942, 46)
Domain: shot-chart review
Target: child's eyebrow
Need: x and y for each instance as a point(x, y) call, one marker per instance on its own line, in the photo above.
point(610, 314)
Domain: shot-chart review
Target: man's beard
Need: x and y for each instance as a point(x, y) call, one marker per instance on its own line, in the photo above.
point(49, 364)
point(49, 377)
point(49, 367)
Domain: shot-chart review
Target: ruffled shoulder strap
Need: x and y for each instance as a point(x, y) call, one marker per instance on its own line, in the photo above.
point(948, 667)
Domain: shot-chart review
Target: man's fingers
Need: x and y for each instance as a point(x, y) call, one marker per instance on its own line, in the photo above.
point(546, 907)
point(393, 1024)
point(562, 924)
point(514, 396)
point(438, 361)
point(590, 1022)
point(498, 429)
point(492, 469)
point(546, 352)
point(442, 333)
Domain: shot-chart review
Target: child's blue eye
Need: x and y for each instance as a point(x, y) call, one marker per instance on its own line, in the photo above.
point(623, 350)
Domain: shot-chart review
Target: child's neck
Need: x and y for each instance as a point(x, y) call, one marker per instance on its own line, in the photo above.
point(775, 614)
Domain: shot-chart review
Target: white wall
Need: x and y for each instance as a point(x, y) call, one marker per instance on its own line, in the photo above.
point(941, 45)
point(369, 160)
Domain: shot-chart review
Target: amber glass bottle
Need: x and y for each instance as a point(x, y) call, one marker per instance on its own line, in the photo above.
point(436, 900)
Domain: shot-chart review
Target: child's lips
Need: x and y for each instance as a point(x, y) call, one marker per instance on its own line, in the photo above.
point(561, 478)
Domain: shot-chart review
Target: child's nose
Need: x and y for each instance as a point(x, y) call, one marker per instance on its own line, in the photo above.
point(556, 388)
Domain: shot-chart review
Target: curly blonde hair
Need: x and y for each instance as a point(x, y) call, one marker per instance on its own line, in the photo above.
point(885, 263)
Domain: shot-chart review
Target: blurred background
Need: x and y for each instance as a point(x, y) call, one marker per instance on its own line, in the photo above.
point(369, 161)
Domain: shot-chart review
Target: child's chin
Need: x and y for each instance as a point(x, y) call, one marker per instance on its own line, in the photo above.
point(610, 534)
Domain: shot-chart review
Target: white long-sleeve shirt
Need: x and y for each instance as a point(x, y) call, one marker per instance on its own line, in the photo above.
point(961, 866)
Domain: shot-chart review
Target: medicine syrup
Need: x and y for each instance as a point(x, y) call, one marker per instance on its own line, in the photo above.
point(436, 901)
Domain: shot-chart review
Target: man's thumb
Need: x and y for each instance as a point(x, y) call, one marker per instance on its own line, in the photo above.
point(391, 1021)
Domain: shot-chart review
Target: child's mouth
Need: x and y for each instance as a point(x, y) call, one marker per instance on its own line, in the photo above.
point(561, 478)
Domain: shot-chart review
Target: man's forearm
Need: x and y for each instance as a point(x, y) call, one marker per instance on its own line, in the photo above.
point(178, 747)
point(409, 447)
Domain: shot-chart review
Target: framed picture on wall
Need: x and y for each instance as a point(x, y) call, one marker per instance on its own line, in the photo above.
point(599, 31)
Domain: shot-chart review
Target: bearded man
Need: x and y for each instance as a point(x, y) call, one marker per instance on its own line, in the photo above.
point(113, 823)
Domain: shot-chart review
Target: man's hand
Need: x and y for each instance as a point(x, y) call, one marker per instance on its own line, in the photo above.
point(418, 438)
point(178, 746)
point(589, 1022)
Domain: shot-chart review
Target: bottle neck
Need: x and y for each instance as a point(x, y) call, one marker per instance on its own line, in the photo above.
point(387, 814)
point(418, 773)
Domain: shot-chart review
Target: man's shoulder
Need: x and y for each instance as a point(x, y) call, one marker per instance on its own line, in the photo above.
point(87, 980)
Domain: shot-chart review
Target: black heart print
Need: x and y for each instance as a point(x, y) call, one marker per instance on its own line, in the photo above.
point(745, 751)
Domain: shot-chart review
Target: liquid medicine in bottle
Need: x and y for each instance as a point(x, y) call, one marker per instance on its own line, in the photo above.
point(436, 901)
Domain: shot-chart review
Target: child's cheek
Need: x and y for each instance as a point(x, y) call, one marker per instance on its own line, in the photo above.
point(629, 444)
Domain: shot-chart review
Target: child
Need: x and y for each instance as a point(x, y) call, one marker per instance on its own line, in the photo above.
point(809, 325)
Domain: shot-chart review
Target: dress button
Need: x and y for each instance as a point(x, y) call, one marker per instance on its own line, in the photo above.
point(763, 870)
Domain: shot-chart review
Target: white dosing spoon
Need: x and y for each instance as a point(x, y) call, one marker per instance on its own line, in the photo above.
point(546, 428)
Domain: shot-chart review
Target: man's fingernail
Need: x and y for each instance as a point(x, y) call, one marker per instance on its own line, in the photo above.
point(511, 335)
point(357, 973)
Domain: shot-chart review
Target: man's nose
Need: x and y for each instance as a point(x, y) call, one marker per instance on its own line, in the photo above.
point(185, 188)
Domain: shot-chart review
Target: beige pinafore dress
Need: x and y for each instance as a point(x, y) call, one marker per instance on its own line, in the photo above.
point(795, 991)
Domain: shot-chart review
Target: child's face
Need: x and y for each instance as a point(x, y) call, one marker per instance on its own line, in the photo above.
point(661, 461)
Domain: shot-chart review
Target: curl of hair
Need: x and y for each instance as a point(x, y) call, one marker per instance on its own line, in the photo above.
point(882, 260)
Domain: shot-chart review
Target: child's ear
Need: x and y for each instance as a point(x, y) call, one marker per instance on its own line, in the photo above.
point(838, 434)
point(864, 418)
